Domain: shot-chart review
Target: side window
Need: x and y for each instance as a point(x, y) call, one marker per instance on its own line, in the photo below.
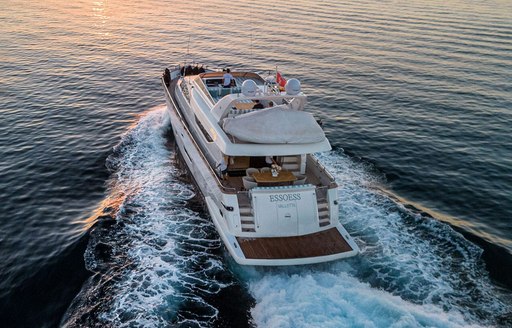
point(203, 130)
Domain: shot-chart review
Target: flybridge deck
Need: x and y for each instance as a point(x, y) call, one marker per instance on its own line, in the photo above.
point(263, 219)
point(213, 83)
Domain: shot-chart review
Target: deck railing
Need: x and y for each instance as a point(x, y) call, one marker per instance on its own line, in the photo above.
point(313, 161)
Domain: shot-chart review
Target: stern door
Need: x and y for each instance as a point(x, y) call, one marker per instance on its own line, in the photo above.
point(285, 211)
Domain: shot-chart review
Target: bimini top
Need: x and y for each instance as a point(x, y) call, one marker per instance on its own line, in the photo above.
point(276, 125)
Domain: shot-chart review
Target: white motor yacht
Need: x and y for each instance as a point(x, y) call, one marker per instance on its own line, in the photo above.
point(249, 148)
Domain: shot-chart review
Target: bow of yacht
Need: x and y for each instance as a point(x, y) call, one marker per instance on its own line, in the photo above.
point(249, 147)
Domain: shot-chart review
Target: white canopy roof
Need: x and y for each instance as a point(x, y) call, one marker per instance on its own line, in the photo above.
point(276, 125)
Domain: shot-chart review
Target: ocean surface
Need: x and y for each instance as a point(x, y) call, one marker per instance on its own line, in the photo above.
point(100, 228)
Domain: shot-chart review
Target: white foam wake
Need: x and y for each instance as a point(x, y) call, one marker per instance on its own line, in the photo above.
point(169, 253)
point(413, 271)
point(324, 299)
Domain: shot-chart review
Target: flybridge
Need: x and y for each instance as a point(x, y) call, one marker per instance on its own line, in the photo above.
point(250, 86)
point(258, 120)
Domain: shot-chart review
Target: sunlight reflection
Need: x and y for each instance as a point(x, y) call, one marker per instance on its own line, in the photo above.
point(100, 13)
point(108, 208)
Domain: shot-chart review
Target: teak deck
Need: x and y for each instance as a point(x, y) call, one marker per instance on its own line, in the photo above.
point(321, 243)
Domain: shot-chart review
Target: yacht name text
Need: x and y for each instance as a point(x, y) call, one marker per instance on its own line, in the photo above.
point(284, 197)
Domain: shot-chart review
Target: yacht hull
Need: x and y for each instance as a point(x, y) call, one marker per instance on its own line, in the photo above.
point(327, 244)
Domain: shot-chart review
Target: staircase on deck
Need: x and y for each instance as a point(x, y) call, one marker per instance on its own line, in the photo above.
point(246, 216)
point(291, 163)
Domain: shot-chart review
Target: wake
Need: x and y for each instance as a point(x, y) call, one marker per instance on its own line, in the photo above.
point(159, 262)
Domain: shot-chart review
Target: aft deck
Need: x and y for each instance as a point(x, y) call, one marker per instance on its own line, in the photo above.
point(315, 174)
point(323, 243)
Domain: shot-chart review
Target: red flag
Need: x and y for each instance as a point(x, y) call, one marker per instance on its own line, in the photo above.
point(280, 79)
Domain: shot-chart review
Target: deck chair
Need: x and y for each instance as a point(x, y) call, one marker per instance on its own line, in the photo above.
point(301, 179)
point(249, 183)
point(250, 171)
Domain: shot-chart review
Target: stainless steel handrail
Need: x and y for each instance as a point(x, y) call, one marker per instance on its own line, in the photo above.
point(332, 181)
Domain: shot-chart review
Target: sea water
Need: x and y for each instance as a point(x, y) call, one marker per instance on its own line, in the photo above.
point(100, 227)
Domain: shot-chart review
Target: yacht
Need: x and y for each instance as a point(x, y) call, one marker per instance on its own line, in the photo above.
point(249, 147)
